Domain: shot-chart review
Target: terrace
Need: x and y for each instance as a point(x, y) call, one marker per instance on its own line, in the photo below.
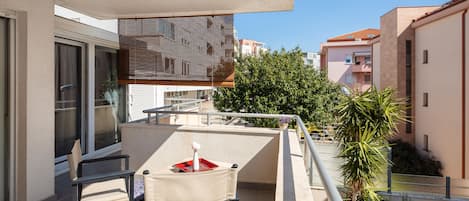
point(274, 164)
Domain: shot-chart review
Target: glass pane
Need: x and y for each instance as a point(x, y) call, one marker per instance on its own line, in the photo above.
point(109, 99)
point(3, 105)
point(153, 50)
point(68, 110)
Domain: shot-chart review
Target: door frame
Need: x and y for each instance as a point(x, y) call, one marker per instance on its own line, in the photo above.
point(83, 82)
point(11, 130)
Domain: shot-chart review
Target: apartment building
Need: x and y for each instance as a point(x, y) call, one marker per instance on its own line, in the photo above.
point(312, 59)
point(421, 53)
point(251, 47)
point(347, 58)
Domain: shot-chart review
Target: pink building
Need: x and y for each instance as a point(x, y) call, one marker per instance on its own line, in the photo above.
point(251, 47)
point(347, 58)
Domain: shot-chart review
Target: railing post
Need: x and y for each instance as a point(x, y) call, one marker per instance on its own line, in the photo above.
point(389, 172)
point(157, 118)
point(311, 170)
point(448, 187)
point(208, 119)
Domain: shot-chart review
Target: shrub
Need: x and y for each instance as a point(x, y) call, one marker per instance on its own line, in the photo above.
point(407, 160)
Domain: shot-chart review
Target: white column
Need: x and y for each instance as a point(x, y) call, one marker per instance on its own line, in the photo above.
point(90, 97)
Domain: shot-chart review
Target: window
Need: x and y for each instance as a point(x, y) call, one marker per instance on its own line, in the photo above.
point(348, 59)
point(368, 59)
point(408, 84)
point(109, 97)
point(357, 60)
point(425, 56)
point(166, 29)
point(425, 143)
point(367, 78)
point(169, 65)
point(69, 96)
point(209, 23)
point(185, 68)
point(185, 42)
point(209, 49)
point(425, 99)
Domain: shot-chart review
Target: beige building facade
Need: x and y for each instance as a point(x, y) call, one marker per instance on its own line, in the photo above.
point(421, 53)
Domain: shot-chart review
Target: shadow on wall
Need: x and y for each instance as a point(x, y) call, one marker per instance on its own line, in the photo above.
point(157, 147)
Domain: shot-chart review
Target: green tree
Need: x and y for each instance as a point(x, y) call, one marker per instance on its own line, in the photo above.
point(278, 82)
point(366, 121)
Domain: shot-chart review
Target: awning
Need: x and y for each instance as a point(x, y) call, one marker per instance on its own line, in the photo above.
point(367, 53)
point(113, 9)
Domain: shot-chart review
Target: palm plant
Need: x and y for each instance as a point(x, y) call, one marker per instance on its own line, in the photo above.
point(366, 121)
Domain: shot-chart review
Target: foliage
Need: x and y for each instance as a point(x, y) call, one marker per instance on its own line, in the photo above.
point(407, 160)
point(278, 82)
point(366, 121)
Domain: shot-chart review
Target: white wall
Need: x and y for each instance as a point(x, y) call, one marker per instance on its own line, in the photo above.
point(35, 97)
point(108, 25)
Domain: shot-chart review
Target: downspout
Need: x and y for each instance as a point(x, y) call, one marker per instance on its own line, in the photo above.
point(463, 64)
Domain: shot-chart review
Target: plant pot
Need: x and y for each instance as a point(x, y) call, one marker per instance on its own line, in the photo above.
point(282, 126)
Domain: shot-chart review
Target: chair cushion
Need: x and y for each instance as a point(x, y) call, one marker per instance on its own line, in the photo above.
point(112, 190)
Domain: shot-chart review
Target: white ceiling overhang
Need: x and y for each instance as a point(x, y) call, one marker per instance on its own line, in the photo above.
point(112, 9)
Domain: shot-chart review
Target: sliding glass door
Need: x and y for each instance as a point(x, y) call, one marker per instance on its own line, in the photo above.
point(4, 44)
point(69, 96)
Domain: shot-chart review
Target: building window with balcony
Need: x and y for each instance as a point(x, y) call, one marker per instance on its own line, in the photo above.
point(169, 65)
point(166, 29)
point(425, 56)
point(425, 99)
point(185, 68)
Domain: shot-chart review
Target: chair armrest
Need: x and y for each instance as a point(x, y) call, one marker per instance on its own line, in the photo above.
point(102, 159)
point(103, 177)
point(107, 158)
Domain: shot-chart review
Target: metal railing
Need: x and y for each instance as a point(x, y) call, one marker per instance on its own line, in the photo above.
point(310, 154)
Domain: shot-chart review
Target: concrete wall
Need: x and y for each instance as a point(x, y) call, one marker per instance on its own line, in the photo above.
point(376, 65)
point(34, 84)
point(156, 147)
point(441, 79)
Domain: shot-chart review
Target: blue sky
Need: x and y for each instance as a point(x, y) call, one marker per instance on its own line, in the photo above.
point(313, 21)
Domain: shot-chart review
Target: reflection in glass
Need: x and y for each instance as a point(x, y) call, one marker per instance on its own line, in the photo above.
point(109, 99)
point(177, 49)
point(68, 108)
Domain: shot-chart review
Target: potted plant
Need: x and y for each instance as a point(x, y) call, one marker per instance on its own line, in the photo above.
point(283, 123)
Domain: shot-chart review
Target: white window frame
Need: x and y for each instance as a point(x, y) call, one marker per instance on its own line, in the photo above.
point(12, 132)
point(91, 37)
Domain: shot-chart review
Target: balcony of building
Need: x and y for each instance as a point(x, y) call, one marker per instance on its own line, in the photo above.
point(274, 163)
point(361, 68)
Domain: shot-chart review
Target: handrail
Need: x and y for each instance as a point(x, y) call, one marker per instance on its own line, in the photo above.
point(331, 189)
